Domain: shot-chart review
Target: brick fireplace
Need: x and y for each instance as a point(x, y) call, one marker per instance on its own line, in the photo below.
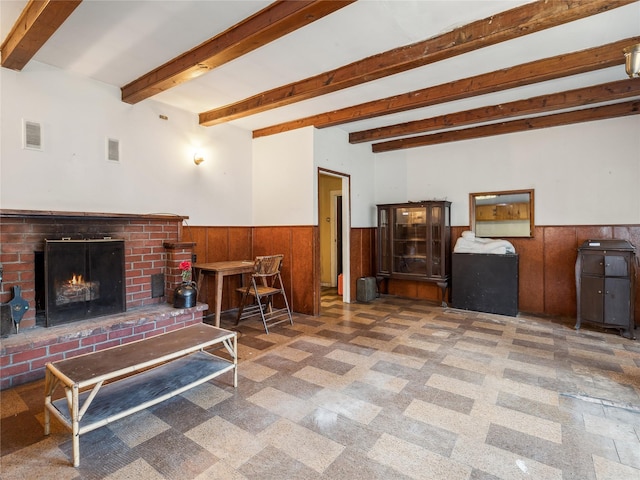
point(153, 250)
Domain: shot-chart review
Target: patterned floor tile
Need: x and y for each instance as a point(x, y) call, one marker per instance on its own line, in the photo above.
point(415, 462)
point(394, 388)
point(308, 447)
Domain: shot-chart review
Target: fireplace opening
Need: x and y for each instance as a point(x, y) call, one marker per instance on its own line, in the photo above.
point(82, 279)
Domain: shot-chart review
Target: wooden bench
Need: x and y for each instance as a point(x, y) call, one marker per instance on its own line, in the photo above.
point(105, 386)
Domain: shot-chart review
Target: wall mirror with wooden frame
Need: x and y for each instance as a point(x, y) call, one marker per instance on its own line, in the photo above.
point(502, 214)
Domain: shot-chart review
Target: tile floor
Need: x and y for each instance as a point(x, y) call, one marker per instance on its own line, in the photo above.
point(393, 389)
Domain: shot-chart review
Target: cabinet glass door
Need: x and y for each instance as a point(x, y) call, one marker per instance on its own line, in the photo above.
point(436, 241)
point(384, 251)
point(409, 242)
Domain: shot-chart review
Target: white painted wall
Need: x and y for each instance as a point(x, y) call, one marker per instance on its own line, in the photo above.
point(283, 179)
point(583, 174)
point(156, 173)
point(285, 175)
point(332, 151)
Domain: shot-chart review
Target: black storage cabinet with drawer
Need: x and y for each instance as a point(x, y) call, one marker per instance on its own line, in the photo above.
point(605, 285)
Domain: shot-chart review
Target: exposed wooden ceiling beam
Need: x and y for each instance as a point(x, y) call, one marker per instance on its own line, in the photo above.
point(519, 21)
point(270, 23)
point(526, 74)
point(579, 97)
point(545, 121)
point(37, 22)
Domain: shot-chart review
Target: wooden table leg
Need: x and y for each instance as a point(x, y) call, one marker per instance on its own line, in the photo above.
point(219, 280)
point(199, 283)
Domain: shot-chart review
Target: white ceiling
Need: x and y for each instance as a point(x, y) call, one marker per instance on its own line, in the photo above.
point(117, 41)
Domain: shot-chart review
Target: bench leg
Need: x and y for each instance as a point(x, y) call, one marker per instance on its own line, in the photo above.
point(75, 426)
point(48, 390)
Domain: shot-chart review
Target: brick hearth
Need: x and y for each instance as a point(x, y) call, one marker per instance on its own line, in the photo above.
point(23, 356)
point(153, 247)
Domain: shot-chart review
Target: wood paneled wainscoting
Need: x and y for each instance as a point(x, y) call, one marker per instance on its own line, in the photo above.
point(546, 267)
point(546, 262)
point(298, 244)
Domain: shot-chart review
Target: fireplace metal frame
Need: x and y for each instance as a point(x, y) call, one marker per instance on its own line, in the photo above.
point(115, 288)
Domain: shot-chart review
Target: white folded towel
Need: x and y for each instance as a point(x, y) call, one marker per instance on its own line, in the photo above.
point(469, 243)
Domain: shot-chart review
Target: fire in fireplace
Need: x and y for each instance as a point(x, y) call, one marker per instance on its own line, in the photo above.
point(76, 290)
point(83, 279)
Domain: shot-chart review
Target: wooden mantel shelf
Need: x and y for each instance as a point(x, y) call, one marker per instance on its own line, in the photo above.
point(89, 215)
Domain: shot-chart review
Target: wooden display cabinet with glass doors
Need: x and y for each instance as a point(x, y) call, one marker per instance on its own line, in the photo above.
point(414, 242)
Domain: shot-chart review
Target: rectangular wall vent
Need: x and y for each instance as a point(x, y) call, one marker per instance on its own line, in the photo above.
point(32, 135)
point(113, 150)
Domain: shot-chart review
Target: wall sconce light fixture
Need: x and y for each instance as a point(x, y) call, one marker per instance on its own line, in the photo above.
point(198, 158)
point(632, 60)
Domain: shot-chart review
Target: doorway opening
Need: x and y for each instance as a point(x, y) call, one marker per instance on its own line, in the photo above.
point(336, 234)
point(334, 226)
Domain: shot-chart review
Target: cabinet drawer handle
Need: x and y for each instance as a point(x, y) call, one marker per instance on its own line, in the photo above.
point(599, 291)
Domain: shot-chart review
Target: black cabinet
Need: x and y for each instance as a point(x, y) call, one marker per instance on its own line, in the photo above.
point(605, 285)
point(414, 242)
point(485, 283)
